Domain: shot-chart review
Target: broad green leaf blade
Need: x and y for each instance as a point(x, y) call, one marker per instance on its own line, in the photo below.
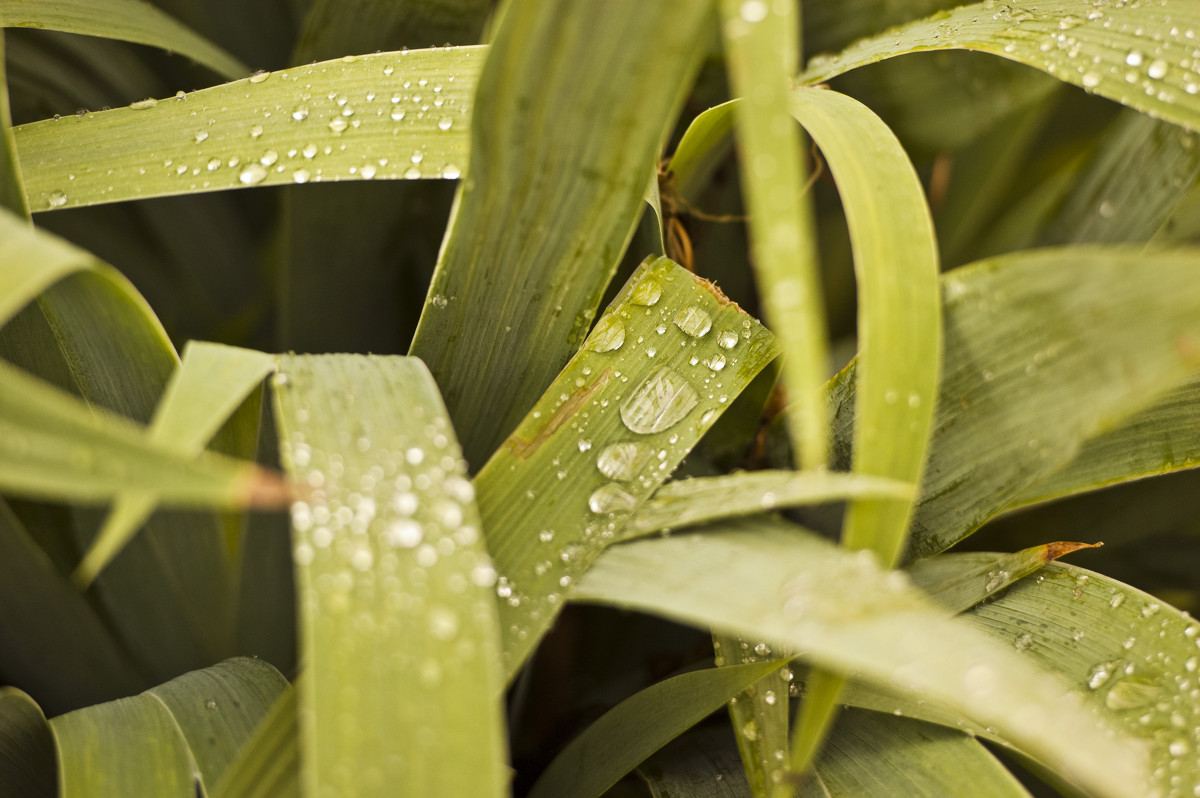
point(760, 39)
point(12, 190)
point(126, 20)
point(349, 119)
point(666, 358)
point(1159, 440)
point(130, 746)
point(877, 755)
point(28, 759)
point(691, 502)
point(1134, 657)
point(701, 764)
point(218, 708)
point(53, 644)
point(398, 633)
point(31, 262)
point(959, 581)
point(212, 380)
point(571, 111)
point(54, 446)
point(899, 325)
point(168, 741)
point(637, 727)
point(1132, 53)
point(1043, 351)
point(268, 765)
point(847, 614)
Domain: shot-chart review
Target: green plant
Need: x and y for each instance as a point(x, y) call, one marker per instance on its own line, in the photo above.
point(425, 615)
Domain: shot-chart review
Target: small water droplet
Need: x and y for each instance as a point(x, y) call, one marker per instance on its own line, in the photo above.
point(995, 579)
point(622, 460)
point(269, 158)
point(694, 321)
point(1131, 693)
point(1090, 80)
point(210, 705)
point(1023, 642)
point(57, 199)
point(445, 123)
point(338, 124)
point(659, 403)
point(611, 498)
point(1100, 673)
point(716, 362)
point(201, 135)
point(367, 172)
point(769, 697)
point(403, 533)
point(727, 339)
point(451, 172)
point(646, 293)
point(1157, 69)
point(142, 105)
point(252, 175)
point(301, 176)
point(260, 76)
point(1134, 58)
point(1117, 600)
point(750, 730)
point(608, 335)
point(397, 114)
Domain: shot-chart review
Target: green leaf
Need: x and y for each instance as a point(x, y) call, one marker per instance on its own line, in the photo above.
point(53, 643)
point(211, 382)
point(775, 582)
point(12, 191)
point(662, 363)
point(349, 119)
point(700, 764)
point(1158, 440)
point(571, 111)
point(28, 760)
point(879, 755)
point(169, 741)
point(268, 765)
point(760, 40)
point(691, 502)
point(126, 20)
point(398, 633)
point(54, 446)
point(1128, 53)
point(1043, 351)
point(637, 727)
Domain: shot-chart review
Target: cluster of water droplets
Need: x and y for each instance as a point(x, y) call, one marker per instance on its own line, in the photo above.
point(386, 535)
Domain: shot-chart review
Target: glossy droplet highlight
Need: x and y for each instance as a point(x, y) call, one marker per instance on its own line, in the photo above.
point(646, 293)
point(659, 403)
point(611, 498)
point(694, 321)
point(608, 335)
point(727, 339)
point(253, 174)
point(622, 460)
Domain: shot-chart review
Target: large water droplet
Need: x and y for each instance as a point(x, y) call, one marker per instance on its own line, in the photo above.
point(608, 335)
point(646, 293)
point(659, 403)
point(252, 174)
point(727, 339)
point(694, 321)
point(611, 498)
point(622, 460)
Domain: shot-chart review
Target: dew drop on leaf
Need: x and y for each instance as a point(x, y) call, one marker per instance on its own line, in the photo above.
point(611, 498)
point(646, 293)
point(253, 174)
point(727, 339)
point(608, 335)
point(694, 321)
point(622, 460)
point(659, 403)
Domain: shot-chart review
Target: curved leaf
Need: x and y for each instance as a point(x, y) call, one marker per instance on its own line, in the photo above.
point(12, 190)
point(126, 20)
point(28, 760)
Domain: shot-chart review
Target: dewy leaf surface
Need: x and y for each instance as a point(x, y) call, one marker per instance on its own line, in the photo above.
point(1044, 350)
point(402, 680)
point(397, 115)
point(570, 114)
point(770, 581)
point(126, 20)
point(1139, 54)
point(664, 360)
point(634, 729)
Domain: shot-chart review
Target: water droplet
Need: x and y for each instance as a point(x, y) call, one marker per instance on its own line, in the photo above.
point(260, 76)
point(252, 175)
point(397, 114)
point(1134, 58)
point(451, 172)
point(995, 579)
point(716, 362)
point(1131, 693)
point(57, 199)
point(646, 293)
point(269, 158)
point(142, 105)
point(659, 403)
point(753, 11)
point(1157, 69)
point(611, 498)
point(769, 697)
point(301, 176)
point(622, 460)
point(1117, 600)
point(1100, 673)
point(1090, 80)
point(693, 321)
point(762, 650)
point(445, 123)
point(727, 339)
point(338, 124)
point(201, 135)
point(1023, 642)
point(1178, 748)
point(750, 730)
point(367, 172)
point(404, 533)
point(608, 335)
point(210, 705)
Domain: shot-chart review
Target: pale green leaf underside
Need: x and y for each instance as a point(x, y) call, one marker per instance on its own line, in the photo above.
point(691, 502)
point(1140, 55)
point(663, 362)
point(212, 380)
point(125, 20)
point(167, 740)
point(847, 614)
point(397, 115)
point(397, 616)
point(568, 128)
point(637, 727)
